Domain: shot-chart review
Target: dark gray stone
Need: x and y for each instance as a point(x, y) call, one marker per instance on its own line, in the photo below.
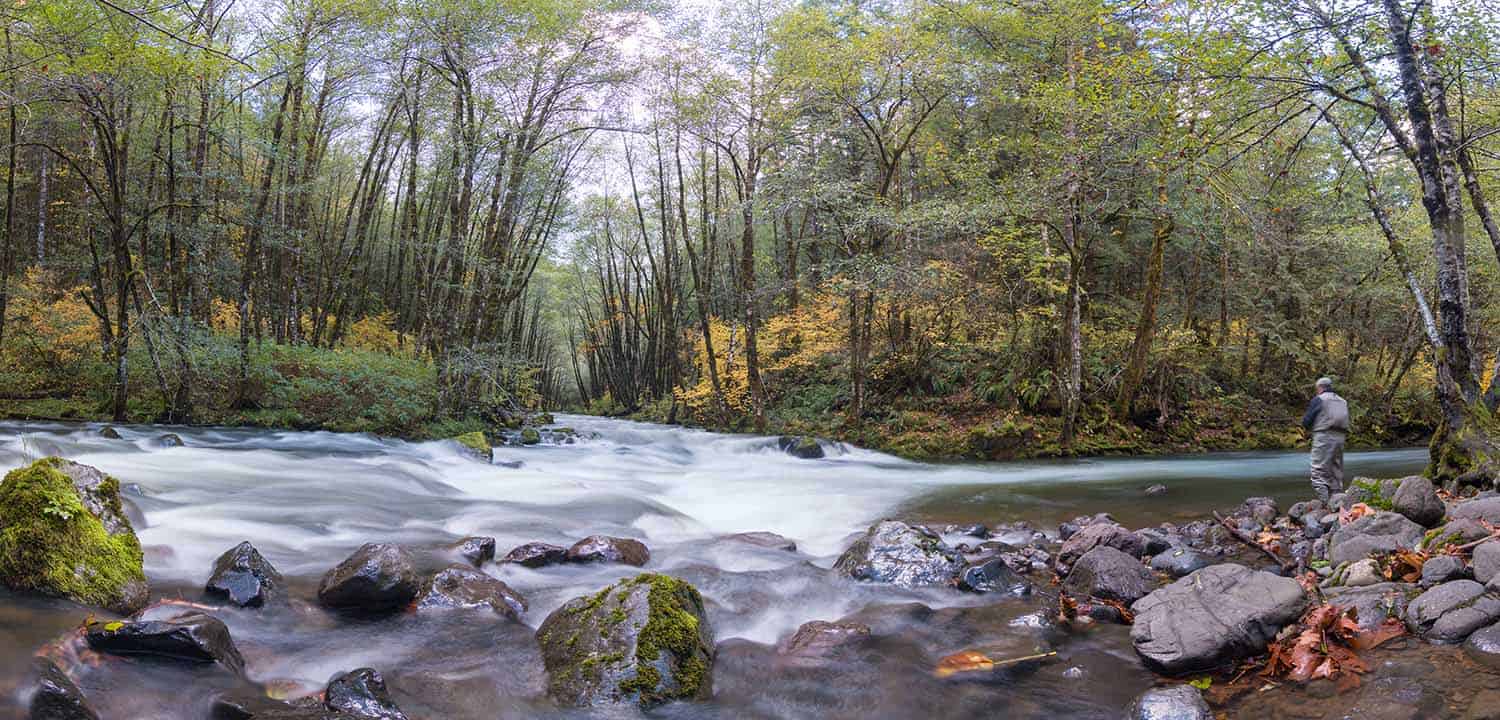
point(1486, 509)
point(168, 440)
point(1155, 541)
point(1443, 568)
point(771, 540)
point(242, 577)
point(1394, 698)
point(1417, 499)
point(1484, 646)
point(1215, 616)
point(56, 697)
point(1157, 490)
point(193, 637)
point(1108, 574)
point(993, 576)
point(476, 550)
point(1095, 535)
point(1449, 612)
point(1374, 534)
point(820, 641)
point(1486, 561)
point(1179, 562)
point(109, 433)
point(362, 694)
point(378, 577)
point(1458, 532)
point(1175, 702)
point(460, 587)
point(800, 446)
point(899, 554)
point(606, 549)
point(535, 555)
point(1373, 604)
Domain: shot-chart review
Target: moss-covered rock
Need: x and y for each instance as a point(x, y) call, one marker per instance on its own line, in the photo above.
point(530, 436)
point(63, 532)
point(476, 444)
point(645, 640)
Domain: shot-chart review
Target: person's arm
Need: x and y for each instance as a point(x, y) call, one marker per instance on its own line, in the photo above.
point(1311, 416)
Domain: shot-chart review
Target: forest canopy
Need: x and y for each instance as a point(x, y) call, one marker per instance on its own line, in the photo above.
point(947, 228)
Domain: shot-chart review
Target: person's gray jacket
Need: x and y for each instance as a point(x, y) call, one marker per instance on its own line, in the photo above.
point(1326, 412)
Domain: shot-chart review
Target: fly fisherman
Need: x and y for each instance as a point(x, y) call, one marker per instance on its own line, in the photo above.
point(1327, 418)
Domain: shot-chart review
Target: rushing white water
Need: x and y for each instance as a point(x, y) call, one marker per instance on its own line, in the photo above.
point(308, 499)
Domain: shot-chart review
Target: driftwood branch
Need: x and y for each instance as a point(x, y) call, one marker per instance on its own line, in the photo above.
point(1245, 538)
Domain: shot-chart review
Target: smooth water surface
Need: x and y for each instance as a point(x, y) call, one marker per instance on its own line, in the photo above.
point(306, 500)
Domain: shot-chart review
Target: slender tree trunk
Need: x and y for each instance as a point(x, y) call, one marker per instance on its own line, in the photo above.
point(1145, 328)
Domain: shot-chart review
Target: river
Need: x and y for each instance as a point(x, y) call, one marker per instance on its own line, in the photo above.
point(307, 499)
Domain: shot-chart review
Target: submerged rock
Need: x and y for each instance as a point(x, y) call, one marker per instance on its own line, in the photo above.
point(362, 694)
point(56, 697)
point(249, 705)
point(65, 533)
point(108, 432)
point(1220, 614)
point(899, 554)
point(644, 641)
point(1108, 574)
point(764, 539)
point(1156, 490)
point(463, 587)
point(193, 637)
point(475, 550)
point(1378, 533)
point(242, 577)
point(820, 640)
point(993, 575)
point(378, 577)
point(1105, 534)
point(168, 440)
point(603, 548)
point(535, 555)
point(476, 445)
point(530, 436)
point(800, 446)
point(1484, 647)
point(1449, 612)
point(1179, 562)
point(1177, 702)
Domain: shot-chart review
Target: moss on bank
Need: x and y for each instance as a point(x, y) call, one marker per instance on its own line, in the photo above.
point(51, 543)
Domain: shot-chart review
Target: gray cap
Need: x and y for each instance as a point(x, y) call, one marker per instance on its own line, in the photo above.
point(1324, 382)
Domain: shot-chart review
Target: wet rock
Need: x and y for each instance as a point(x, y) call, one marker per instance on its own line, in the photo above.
point(1395, 698)
point(475, 550)
point(1156, 490)
point(1108, 574)
point(1484, 646)
point(1261, 509)
point(603, 548)
point(899, 554)
point(193, 637)
point(108, 432)
point(242, 577)
point(1362, 573)
point(1373, 604)
point(1485, 508)
point(1443, 568)
point(1220, 614)
point(475, 445)
point(1449, 612)
point(1154, 541)
point(378, 577)
point(1300, 509)
point(362, 694)
point(800, 446)
point(820, 640)
point(1486, 561)
point(1176, 702)
point(56, 697)
point(168, 440)
point(1377, 533)
point(530, 436)
point(535, 555)
point(644, 641)
point(1339, 502)
point(1312, 525)
point(1417, 499)
point(463, 587)
point(1105, 534)
point(765, 539)
point(1484, 706)
point(250, 705)
point(1179, 562)
point(993, 575)
point(67, 535)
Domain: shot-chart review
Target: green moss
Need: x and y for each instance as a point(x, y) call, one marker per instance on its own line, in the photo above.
point(671, 628)
point(474, 441)
point(51, 543)
point(530, 436)
point(1373, 494)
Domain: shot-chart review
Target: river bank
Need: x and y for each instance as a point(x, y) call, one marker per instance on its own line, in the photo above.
point(308, 501)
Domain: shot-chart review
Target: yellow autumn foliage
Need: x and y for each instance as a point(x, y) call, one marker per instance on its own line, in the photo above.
point(49, 333)
point(376, 333)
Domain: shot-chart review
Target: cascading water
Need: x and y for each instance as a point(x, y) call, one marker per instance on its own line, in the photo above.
point(306, 500)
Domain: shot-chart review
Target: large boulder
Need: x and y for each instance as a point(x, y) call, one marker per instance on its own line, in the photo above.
point(1485, 508)
point(536, 554)
point(378, 577)
point(463, 587)
point(800, 446)
point(1486, 561)
point(193, 637)
point(1217, 615)
point(899, 554)
point(1176, 702)
point(1449, 612)
point(1417, 499)
point(242, 577)
point(1105, 534)
point(1108, 574)
point(645, 641)
point(362, 694)
point(1374, 534)
point(475, 445)
point(64, 532)
point(1373, 604)
point(606, 549)
point(56, 697)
